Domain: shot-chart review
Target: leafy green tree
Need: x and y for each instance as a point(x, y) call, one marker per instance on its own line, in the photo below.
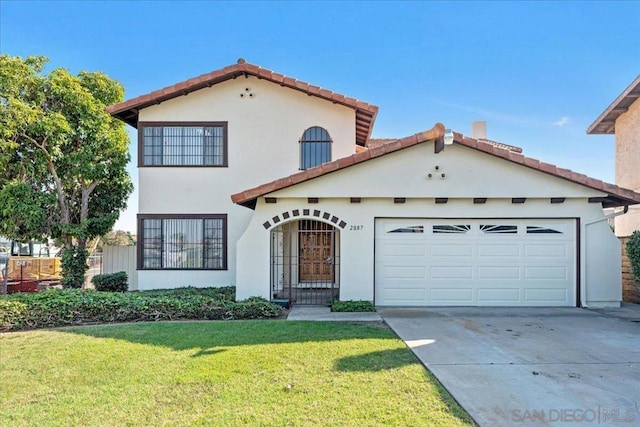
point(62, 157)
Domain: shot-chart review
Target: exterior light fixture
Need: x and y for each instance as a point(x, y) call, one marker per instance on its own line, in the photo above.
point(448, 137)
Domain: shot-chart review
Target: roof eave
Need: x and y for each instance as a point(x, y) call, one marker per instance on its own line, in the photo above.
point(128, 111)
point(605, 124)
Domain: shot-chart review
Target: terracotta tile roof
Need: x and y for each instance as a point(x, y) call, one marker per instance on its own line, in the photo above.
point(606, 122)
point(127, 111)
point(616, 196)
point(511, 148)
point(374, 142)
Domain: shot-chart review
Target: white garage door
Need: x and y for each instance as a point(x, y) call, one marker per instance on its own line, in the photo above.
point(491, 262)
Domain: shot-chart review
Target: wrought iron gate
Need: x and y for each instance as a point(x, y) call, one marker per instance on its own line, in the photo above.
point(305, 262)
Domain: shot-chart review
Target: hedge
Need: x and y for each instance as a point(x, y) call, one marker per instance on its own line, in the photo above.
point(55, 307)
point(352, 306)
point(633, 252)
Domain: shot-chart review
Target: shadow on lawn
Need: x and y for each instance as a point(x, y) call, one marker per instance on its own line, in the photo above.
point(211, 337)
point(377, 361)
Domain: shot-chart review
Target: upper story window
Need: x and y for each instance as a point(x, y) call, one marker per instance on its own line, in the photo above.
point(315, 147)
point(182, 144)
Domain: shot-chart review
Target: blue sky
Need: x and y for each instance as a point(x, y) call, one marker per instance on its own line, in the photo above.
point(538, 72)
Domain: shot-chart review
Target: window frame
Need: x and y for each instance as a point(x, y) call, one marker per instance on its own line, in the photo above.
point(225, 142)
point(302, 143)
point(140, 244)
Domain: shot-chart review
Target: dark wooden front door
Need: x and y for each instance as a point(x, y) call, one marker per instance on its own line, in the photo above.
point(316, 252)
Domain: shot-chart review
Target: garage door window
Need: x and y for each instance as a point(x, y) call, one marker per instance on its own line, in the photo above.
point(410, 229)
point(541, 230)
point(455, 229)
point(499, 229)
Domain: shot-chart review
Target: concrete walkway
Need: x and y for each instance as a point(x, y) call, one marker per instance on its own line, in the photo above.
point(531, 366)
point(324, 314)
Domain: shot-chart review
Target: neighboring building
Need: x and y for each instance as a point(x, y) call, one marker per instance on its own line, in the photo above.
point(622, 119)
point(252, 178)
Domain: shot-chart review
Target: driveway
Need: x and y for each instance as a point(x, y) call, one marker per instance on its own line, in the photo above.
point(530, 366)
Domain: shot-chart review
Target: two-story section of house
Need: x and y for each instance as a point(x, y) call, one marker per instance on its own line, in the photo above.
point(201, 140)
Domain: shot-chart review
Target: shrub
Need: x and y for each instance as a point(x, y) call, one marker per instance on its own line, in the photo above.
point(75, 307)
point(114, 282)
point(11, 314)
point(352, 306)
point(633, 252)
point(227, 293)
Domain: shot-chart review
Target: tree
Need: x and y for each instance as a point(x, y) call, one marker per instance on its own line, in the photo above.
point(62, 157)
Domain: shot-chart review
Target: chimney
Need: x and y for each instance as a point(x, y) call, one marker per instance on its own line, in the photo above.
point(479, 130)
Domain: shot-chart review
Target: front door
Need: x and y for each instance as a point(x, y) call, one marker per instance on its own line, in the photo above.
point(316, 252)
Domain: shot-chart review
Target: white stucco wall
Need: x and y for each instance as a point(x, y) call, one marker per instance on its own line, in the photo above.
point(627, 162)
point(263, 135)
point(602, 265)
point(468, 174)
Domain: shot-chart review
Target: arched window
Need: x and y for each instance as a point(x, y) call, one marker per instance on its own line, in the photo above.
point(315, 147)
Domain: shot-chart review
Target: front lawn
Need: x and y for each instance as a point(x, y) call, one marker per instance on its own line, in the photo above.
point(218, 373)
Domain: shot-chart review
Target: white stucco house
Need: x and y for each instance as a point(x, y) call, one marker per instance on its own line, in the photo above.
point(253, 178)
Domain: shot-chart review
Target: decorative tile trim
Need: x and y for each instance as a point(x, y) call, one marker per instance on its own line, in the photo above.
point(305, 212)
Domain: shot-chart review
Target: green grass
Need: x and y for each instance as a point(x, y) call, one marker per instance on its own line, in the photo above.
point(218, 373)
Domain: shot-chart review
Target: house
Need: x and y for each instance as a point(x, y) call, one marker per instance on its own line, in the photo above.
point(622, 119)
point(253, 178)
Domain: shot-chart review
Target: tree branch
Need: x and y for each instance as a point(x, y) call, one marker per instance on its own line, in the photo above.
point(64, 211)
point(86, 192)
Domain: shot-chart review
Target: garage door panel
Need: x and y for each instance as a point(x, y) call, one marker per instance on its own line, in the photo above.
point(547, 250)
point(475, 262)
point(499, 272)
point(449, 295)
point(504, 250)
point(405, 295)
point(459, 250)
point(450, 272)
point(548, 295)
point(407, 249)
point(405, 272)
point(546, 273)
point(499, 295)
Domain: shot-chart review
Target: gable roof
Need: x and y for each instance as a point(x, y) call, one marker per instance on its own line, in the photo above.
point(606, 122)
point(127, 111)
point(616, 196)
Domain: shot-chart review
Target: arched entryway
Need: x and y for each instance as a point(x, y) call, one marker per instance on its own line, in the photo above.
point(305, 262)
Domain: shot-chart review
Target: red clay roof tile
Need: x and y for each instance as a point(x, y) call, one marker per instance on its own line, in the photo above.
point(127, 111)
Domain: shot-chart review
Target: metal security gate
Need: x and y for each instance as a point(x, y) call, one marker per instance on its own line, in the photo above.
point(305, 262)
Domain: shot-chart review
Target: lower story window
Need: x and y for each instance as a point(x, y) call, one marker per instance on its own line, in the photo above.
point(182, 242)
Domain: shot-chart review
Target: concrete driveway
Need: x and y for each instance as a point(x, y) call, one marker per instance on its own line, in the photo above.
point(531, 366)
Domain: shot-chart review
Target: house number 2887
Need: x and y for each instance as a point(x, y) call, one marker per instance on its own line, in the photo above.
point(356, 227)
